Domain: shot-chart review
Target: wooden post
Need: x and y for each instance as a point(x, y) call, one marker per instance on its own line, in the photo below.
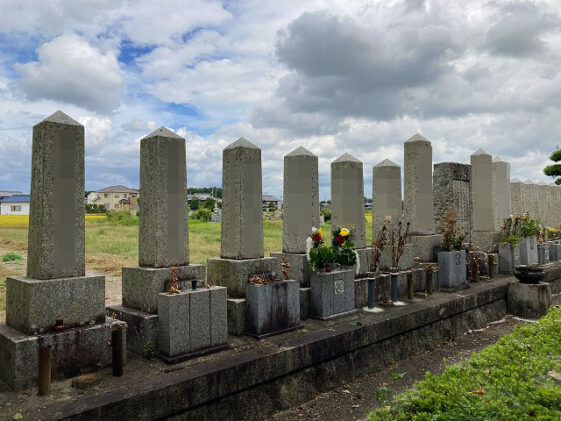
point(44, 378)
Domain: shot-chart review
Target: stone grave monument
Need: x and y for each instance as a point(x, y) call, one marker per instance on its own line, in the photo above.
point(242, 265)
point(483, 219)
point(418, 197)
point(347, 204)
point(57, 305)
point(178, 325)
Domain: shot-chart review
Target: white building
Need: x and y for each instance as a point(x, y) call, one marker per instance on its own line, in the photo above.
point(18, 204)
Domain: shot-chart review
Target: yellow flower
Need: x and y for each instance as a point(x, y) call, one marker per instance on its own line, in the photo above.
point(320, 232)
point(344, 232)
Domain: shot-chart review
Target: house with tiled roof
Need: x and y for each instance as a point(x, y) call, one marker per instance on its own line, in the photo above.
point(16, 204)
point(115, 198)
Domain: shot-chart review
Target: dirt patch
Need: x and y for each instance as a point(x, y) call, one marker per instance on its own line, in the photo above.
point(353, 401)
point(11, 245)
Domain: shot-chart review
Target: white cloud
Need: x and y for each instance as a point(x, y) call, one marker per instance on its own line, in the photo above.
point(72, 71)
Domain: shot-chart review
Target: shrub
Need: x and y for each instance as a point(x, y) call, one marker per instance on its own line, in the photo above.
point(514, 379)
point(11, 257)
point(203, 214)
point(121, 217)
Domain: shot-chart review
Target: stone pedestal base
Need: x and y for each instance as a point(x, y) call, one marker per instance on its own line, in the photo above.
point(424, 247)
point(332, 294)
point(484, 241)
point(142, 329)
point(141, 285)
point(234, 274)
point(191, 321)
point(300, 266)
point(75, 351)
point(530, 301)
point(33, 305)
point(405, 262)
point(272, 308)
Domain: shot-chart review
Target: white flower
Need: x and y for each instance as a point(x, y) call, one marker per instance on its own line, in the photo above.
point(308, 247)
point(357, 263)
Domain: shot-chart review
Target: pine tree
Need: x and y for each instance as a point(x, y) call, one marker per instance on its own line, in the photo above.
point(554, 170)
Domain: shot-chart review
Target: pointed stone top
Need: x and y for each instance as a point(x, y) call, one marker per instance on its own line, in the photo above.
point(163, 132)
point(515, 180)
point(301, 151)
point(480, 151)
point(498, 159)
point(386, 163)
point(346, 157)
point(242, 142)
point(416, 138)
point(61, 118)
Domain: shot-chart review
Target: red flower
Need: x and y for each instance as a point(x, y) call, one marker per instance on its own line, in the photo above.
point(316, 238)
point(340, 239)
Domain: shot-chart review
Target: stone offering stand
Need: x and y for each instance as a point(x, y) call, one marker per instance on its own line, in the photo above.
point(181, 311)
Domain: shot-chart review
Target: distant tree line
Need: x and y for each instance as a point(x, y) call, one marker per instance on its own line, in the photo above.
point(215, 191)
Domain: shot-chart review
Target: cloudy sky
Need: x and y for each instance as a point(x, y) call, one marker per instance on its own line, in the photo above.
point(333, 76)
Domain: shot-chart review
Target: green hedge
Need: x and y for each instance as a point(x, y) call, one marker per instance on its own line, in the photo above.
point(517, 378)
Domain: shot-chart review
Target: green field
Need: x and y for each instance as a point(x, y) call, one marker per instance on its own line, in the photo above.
point(110, 245)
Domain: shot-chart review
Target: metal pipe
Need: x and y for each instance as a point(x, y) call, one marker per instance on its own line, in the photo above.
point(394, 283)
point(44, 378)
point(410, 289)
point(117, 350)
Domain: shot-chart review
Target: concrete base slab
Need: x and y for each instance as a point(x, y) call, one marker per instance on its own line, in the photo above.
point(299, 266)
point(141, 285)
point(454, 289)
point(75, 351)
point(184, 357)
point(33, 305)
point(142, 329)
point(530, 301)
point(234, 274)
point(335, 316)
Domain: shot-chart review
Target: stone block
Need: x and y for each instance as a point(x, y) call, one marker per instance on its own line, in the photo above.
point(142, 284)
point(300, 266)
point(332, 294)
point(553, 256)
point(234, 274)
point(347, 197)
point(218, 316)
point(361, 292)
point(501, 192)
point(483, 240)
point(529, 251)
point(56, 208)
point(452, 273)
point(173, 323)
point(272, 308)
point(33, 305)
point(75, 351)
point(163, 232)
point(142, 328)
point(236, 316)
point(300, 211)
point(417, 185)
point(452, 192)
point(424, 247)
point(362, 266)
point(529, 301)
point(543, 254)
point(305, 294)
point(509, 257)
point(186, 324)
point(242, 208)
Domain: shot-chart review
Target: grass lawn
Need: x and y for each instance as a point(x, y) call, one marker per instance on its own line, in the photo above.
point(517, 378)
point(110, 245)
